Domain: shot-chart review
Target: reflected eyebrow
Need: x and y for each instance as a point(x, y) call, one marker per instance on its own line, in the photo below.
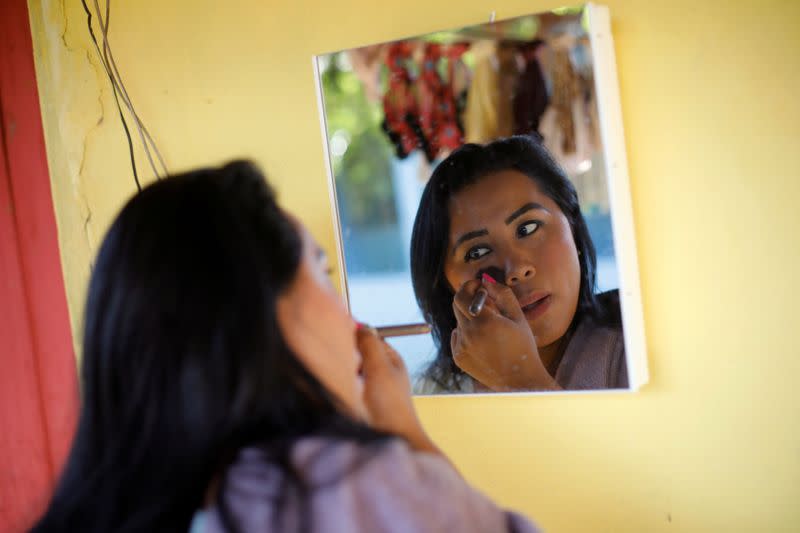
point(524, 209)
point(467, 236)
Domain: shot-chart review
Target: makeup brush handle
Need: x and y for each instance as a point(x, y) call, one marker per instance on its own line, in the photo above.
point(476, 306)
point(403, 330)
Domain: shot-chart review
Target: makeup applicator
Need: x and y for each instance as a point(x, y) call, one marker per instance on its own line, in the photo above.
point(403, 330)
point(475, 308)
point(479, 300)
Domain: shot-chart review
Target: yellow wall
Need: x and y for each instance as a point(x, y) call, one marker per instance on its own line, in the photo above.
point(710, 104)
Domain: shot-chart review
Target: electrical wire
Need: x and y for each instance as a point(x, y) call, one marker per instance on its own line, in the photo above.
point(121, 92)
point(116, 98)
point(108, 56)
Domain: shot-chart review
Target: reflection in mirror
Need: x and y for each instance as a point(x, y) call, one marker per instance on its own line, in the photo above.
point(473, 182)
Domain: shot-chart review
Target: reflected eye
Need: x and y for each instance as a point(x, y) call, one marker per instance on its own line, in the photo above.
point(476, 253)
point(528, 228)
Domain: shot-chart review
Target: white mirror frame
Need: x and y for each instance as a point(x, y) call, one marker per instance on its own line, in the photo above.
point(616, 160)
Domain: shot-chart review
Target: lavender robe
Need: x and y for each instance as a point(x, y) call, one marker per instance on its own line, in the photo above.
point(388, 488)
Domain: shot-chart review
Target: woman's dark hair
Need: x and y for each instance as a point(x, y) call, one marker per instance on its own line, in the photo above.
point(183, 359)
point(431, 235)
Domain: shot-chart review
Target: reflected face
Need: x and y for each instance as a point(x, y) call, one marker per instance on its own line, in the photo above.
point(505, 221)
point(319, 330)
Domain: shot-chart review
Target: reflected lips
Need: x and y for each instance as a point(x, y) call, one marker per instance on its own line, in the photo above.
point(536, 305)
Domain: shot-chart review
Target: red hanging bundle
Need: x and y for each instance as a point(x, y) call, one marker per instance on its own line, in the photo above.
point(422, 113)
point(437, 101)
point(399, 103)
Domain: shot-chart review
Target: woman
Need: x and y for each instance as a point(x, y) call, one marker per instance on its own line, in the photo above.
point(504, 218)
point(226, 387)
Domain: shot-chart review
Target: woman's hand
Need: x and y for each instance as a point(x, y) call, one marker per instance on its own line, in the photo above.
point(497, 347)
point(387, 391)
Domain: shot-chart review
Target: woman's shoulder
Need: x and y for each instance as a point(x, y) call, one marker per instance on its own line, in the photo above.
point(610, 297)
point(317, 460)
point(609, 309)
point(595, 355)
point(400, 489)
point(383, 486)
point(337, 465)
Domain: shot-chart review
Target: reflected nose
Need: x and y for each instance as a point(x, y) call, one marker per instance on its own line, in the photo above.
point(519, 269)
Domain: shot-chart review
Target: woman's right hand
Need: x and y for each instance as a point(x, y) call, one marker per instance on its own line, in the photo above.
point(497, 347)
point(387, 391)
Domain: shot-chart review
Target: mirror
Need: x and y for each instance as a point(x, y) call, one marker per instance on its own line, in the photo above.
point(394, 114)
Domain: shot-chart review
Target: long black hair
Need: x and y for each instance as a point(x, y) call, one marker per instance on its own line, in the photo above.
point(429, 240)
point(183, 359)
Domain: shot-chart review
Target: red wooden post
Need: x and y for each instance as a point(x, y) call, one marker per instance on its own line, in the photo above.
point(38, 377)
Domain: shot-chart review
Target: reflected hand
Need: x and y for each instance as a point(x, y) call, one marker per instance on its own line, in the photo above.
point(387, 391)
point(497, 347)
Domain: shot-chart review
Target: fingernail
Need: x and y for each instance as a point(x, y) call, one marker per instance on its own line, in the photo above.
point(488, 279)
point(360, 325)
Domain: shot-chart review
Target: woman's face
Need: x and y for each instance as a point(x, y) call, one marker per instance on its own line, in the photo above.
point(318, 328)
point(505, 221)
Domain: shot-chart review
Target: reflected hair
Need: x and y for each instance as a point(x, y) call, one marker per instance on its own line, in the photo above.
point(183, 359)
point(431, 236)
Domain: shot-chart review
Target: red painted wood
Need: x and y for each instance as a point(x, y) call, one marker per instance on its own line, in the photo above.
point(38, 377)
point(25, 469)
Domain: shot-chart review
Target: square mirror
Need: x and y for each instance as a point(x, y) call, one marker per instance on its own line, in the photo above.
point(492, 153)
